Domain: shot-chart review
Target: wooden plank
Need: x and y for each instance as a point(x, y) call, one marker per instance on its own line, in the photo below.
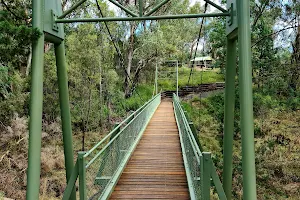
point(156, 169)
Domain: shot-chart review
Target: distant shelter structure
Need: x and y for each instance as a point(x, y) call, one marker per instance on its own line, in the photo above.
point(202, 62)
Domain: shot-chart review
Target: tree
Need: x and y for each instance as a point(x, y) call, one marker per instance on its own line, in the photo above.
point(157, 39)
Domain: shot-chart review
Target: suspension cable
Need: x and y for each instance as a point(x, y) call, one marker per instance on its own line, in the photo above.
point(121, 59)
point(198, 41)
point(201, 77)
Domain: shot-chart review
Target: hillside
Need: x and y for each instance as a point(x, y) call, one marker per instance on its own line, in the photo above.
point(277, 142)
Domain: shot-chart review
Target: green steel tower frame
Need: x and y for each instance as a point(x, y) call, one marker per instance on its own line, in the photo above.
point(49, 18)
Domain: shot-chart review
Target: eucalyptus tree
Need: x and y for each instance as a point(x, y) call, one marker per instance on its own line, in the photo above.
point(16, 34)
point(275, 29)
point(152, 39)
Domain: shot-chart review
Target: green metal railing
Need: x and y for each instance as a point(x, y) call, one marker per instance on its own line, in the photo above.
point(100, 168)
point(200, 170)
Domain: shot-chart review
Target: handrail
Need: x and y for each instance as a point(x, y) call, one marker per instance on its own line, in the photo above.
point(200, 170)
point(134, 115)
point(99, 175)
point(117, 128)
point(102, 166)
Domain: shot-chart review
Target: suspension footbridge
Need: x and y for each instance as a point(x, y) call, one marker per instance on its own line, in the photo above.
point(153, 154)
point(142, 147)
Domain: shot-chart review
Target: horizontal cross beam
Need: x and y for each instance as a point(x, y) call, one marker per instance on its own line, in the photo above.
point(164, 17)
point(76, 5)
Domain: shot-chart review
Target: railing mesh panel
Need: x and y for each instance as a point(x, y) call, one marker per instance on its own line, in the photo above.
point(191, 150)
point(103, 162)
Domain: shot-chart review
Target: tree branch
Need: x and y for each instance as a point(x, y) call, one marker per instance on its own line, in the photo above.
point(262, 38)
point(261, 10)
point(14, 14)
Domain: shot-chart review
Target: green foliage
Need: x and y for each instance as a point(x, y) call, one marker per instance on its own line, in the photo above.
point(14, 99)
point(142, 94)
point(96, 79)
point(261, 101)
point(217, 41)
point(5, 81)
point(15, 40)
point(198, 77)
point(16, 36)
point(274, 118)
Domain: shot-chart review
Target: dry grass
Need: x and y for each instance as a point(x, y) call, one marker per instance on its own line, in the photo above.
point(277, 146)
point(278, 156)
point(13, 159)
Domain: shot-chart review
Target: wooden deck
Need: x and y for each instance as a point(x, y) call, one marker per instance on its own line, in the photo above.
point(156, 169)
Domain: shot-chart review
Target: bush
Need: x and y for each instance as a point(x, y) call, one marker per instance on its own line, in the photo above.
point(141, 95)
point(261, 101)
point(293, 103)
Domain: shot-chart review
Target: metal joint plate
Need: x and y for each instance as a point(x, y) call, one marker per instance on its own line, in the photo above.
point(54, 32)
point(231, 21)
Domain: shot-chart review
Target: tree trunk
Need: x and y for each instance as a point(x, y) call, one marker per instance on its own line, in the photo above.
point(29, 62)
point(295, 66)
point(129, 58)
point(86, 122)
point(136, 78)
point(108, 112)
point(100, 96)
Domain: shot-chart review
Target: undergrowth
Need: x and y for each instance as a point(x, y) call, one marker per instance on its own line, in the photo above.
point(14, 149)
point(277, 141)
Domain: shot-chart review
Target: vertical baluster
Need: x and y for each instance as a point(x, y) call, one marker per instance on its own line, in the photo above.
point(205, 175)
point(82, 176)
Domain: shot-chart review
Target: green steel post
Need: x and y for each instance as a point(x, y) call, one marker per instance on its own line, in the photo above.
point(246, 100)
point(65, 109)
point(82, 176)
point(71, 183)
point(177, 78)
point(156, 70)
point(141, 5)
point(229, 116)
point(36, 104)
point(205, 175)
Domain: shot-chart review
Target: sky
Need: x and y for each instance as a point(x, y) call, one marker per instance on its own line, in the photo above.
point(192, 2)
point(279, 41)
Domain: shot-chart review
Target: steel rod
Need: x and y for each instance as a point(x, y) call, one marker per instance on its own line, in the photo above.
point(216, 6)
point(123, 8)
point(229, 116)
point(177, 78)
point(157, 7)
point(205, 173)
point(82, 176)
point(156, 76)
point(76, 5)
point(246, 101)
point(36, 105)
point(141, 18)
point(65, 109)
point(141, 7)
